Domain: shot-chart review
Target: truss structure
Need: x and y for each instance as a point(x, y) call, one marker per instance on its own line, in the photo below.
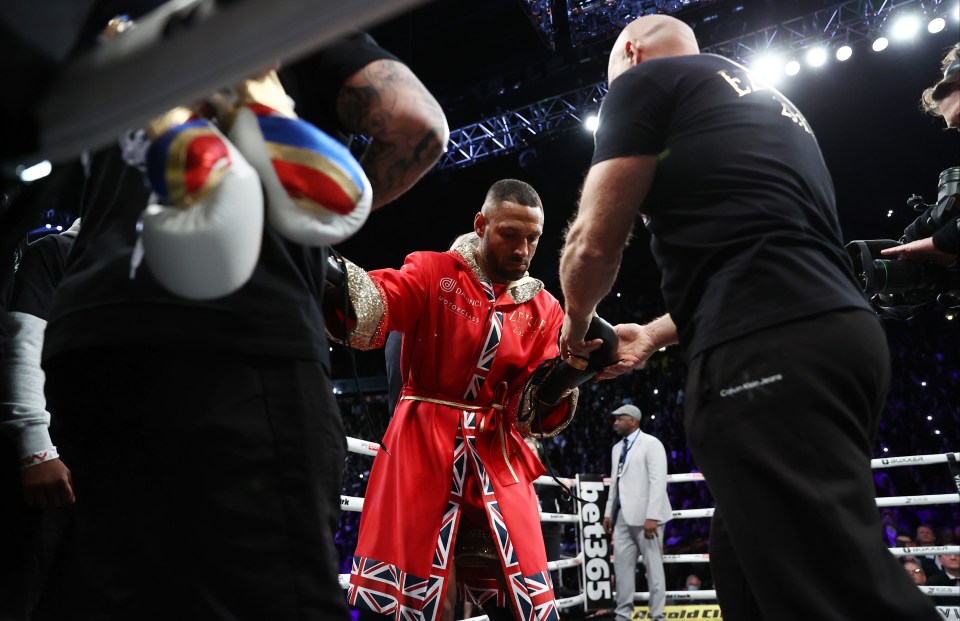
point(845, 23)
point(507, 132)
point(519, 128)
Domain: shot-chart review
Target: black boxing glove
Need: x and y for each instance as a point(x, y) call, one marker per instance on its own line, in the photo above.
point(338, 311)
point(567, 374)
point(554, 379)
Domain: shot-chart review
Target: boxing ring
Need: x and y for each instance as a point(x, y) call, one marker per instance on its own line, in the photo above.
point(362, 447)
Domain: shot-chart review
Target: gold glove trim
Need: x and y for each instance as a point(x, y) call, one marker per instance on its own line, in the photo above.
point(527, 405)
point(370, 310)
point(369, 307)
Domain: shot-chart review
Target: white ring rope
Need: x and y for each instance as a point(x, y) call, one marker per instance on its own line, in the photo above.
point(919, 551)
point(925, 550)
point(707, 595)
point(912, 460)
point(363, 447)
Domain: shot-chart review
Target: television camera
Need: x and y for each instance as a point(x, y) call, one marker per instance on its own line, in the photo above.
point(897, 288)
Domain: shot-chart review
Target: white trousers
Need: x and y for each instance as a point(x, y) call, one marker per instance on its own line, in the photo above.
point(628, 544)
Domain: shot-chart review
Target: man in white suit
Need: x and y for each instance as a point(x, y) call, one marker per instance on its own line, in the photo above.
point(637, 509)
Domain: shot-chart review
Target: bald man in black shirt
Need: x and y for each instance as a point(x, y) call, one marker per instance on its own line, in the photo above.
point(788, 369)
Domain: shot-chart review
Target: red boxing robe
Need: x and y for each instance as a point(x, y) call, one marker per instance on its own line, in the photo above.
point(466, 352)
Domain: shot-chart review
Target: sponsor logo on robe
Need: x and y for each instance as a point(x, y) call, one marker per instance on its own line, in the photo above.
point(449, 285)
point(457, 309)
point(526, 324)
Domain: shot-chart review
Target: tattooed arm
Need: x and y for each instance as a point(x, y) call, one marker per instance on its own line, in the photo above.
point(387, 102)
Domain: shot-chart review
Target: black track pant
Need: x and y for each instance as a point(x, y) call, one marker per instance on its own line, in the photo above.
point(781, 423)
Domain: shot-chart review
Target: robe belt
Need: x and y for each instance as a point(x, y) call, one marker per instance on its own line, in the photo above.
point(490, 419)
point(462, 405)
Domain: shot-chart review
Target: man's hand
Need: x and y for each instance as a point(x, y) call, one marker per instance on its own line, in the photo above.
point(607, 525)
point(634, 348)
point(47, 485)
point(650, 529)
point(637, 343)
point(920, 250)
point(571, 338)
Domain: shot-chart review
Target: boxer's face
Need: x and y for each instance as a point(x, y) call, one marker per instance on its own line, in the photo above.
point(508, 240)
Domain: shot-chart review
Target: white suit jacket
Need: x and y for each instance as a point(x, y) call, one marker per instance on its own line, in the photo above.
point(643, 485)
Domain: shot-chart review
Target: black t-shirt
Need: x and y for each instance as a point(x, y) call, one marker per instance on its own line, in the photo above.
point(741, 209)
point(41, 270)
point(276, 313)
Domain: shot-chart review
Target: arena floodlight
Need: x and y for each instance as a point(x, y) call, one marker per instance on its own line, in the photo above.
point(956, 13)
point(816, 57)
point(29, 174)
point(844, 52)
point(768, 67)
point(936, 25)
point(792, 68)
point(905, 27)
point(592, 122)
point(880, 44)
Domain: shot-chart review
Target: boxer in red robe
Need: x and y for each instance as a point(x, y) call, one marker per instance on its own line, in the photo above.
point(450, 499)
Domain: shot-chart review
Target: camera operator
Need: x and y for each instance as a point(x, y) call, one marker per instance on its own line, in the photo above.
point(942, 243)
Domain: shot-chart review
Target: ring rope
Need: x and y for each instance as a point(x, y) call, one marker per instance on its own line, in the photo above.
point(363, 447)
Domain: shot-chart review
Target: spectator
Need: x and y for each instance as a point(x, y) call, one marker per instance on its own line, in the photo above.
point(904, 541)
point(637, 509)
point(949, 576)
point(915, 572)
point(926, 538)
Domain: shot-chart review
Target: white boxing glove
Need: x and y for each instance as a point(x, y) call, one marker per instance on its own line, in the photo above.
point(201, 240)
point(317, 193)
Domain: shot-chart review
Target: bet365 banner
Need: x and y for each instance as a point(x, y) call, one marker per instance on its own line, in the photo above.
point(595, 543)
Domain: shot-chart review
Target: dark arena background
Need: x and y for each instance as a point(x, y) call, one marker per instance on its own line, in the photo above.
point(518, 81)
